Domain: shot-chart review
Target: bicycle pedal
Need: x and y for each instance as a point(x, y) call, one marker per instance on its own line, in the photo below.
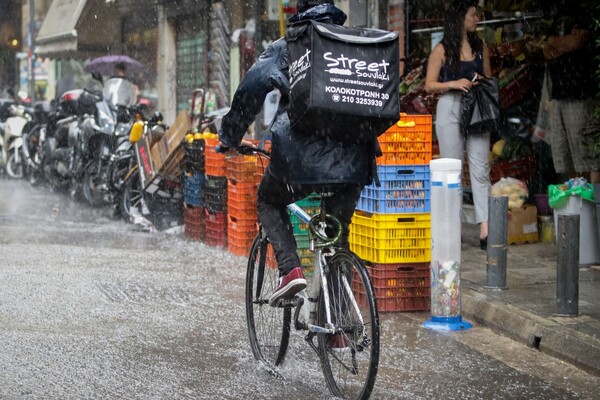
point(288, 302)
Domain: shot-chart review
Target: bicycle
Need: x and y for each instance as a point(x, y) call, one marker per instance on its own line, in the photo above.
point(338, 307)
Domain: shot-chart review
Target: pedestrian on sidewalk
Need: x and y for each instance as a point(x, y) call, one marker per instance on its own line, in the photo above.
point(569, 51)
point(453, 67)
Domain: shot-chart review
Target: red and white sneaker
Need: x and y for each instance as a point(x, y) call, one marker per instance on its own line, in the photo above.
point(289, 285)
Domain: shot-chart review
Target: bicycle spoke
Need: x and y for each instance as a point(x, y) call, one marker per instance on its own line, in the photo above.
point(350, 358)
point(268, 327)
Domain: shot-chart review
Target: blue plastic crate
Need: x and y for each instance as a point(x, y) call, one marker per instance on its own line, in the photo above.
point(404, 188)
point(192, 188)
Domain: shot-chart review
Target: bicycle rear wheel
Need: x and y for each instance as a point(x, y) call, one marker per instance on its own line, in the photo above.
point(268, 327)
point(351, 357)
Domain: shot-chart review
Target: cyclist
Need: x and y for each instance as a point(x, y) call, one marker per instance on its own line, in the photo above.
point(301, 161)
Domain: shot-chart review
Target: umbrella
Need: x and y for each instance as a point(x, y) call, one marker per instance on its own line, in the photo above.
point(105, 65)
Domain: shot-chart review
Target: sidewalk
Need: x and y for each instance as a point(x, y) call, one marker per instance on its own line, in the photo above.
point(525, 310)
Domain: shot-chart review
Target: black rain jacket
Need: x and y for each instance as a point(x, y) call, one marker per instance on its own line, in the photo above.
point(297, 157)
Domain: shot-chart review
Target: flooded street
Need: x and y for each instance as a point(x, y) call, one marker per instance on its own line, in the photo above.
point(92, 307)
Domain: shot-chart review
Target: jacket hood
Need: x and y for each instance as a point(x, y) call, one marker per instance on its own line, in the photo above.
point(321, 13)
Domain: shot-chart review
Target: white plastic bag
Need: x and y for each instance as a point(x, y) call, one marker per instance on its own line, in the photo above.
point(542, 128)
point(514, 189)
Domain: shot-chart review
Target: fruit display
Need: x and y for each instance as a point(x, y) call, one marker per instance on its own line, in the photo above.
point(413, 97)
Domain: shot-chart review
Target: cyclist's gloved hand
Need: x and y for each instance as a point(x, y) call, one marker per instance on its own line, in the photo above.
point(223, 148)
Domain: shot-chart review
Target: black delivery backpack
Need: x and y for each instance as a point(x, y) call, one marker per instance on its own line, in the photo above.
point(344, 82)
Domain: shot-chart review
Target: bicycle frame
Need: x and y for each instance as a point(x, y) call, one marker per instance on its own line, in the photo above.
point(319, 281)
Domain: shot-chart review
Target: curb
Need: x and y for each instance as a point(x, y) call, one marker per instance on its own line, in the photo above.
point(540, 333)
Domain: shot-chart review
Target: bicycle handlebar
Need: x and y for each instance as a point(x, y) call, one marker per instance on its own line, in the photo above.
point(244, 150)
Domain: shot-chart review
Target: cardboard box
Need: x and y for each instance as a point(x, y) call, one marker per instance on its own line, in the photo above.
point(523, 225)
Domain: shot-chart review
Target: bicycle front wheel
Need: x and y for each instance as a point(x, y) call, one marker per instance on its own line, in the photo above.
point(349, 358)
point(268, 327)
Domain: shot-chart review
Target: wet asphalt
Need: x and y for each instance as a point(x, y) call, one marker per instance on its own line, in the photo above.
point(94, 308)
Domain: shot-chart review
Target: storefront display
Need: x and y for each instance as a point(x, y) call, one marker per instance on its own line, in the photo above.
point(514, 38)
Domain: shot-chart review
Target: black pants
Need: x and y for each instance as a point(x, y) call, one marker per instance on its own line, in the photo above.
point(273, 198)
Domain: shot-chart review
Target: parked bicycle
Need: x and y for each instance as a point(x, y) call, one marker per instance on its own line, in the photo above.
point(337, 310)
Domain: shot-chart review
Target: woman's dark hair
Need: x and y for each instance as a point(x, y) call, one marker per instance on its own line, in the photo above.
point(453, 30)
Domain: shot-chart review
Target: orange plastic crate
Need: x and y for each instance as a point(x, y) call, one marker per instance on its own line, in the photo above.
point(215, 164)
point(240, 243)
point(243, 168)
point(409, 141)
point(245, 223)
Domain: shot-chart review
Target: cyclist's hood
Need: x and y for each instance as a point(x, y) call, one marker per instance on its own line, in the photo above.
point(325, 12)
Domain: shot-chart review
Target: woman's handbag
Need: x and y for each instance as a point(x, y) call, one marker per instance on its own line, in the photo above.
point(480, 107)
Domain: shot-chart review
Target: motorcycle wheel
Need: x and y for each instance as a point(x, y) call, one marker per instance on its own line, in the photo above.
point(91, 195)
point(14, 169)
point(131, 197)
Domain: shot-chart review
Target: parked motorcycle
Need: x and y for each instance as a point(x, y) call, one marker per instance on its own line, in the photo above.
point(58, 138)
point(11, 140)
point(103, 137)
point(33, 141)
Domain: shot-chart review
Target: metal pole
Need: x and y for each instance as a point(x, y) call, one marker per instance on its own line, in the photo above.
point(597, 201)
point(497, 242)
point(31, 54)
point(567, 271)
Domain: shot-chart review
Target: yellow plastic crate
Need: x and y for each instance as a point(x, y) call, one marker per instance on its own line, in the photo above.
point(391, 238)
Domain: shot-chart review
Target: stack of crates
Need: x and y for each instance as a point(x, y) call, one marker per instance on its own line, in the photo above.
point(391, 227)
point(242, 188)
point(193, 184)
point(215, 195)
point(311, 205)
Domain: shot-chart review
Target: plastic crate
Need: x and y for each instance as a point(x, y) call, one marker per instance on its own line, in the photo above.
point(243, 168)
point(524, 169)
point(404, 188)
point(413, 299)
point(310, 204)
point(216, 228)
point(398, 287)
point(391, 238)
point(302, 241)
point(215, 163)
point(240, 243)
point(194, 156)
point(242, 224)
point(399, 275)
point(242, 199)
point(193, 184)
point(409, 141)
point(214, 193)
point(194, 223)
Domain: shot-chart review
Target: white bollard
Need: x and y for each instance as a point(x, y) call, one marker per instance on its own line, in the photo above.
point(446, 204)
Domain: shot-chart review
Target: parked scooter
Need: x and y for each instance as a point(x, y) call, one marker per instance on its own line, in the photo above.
point(132, 201)
point(11, 141)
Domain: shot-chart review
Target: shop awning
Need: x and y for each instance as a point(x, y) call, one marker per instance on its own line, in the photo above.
point(78, 29)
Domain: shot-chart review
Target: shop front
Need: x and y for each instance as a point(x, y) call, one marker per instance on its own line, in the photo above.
point(514, 34)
